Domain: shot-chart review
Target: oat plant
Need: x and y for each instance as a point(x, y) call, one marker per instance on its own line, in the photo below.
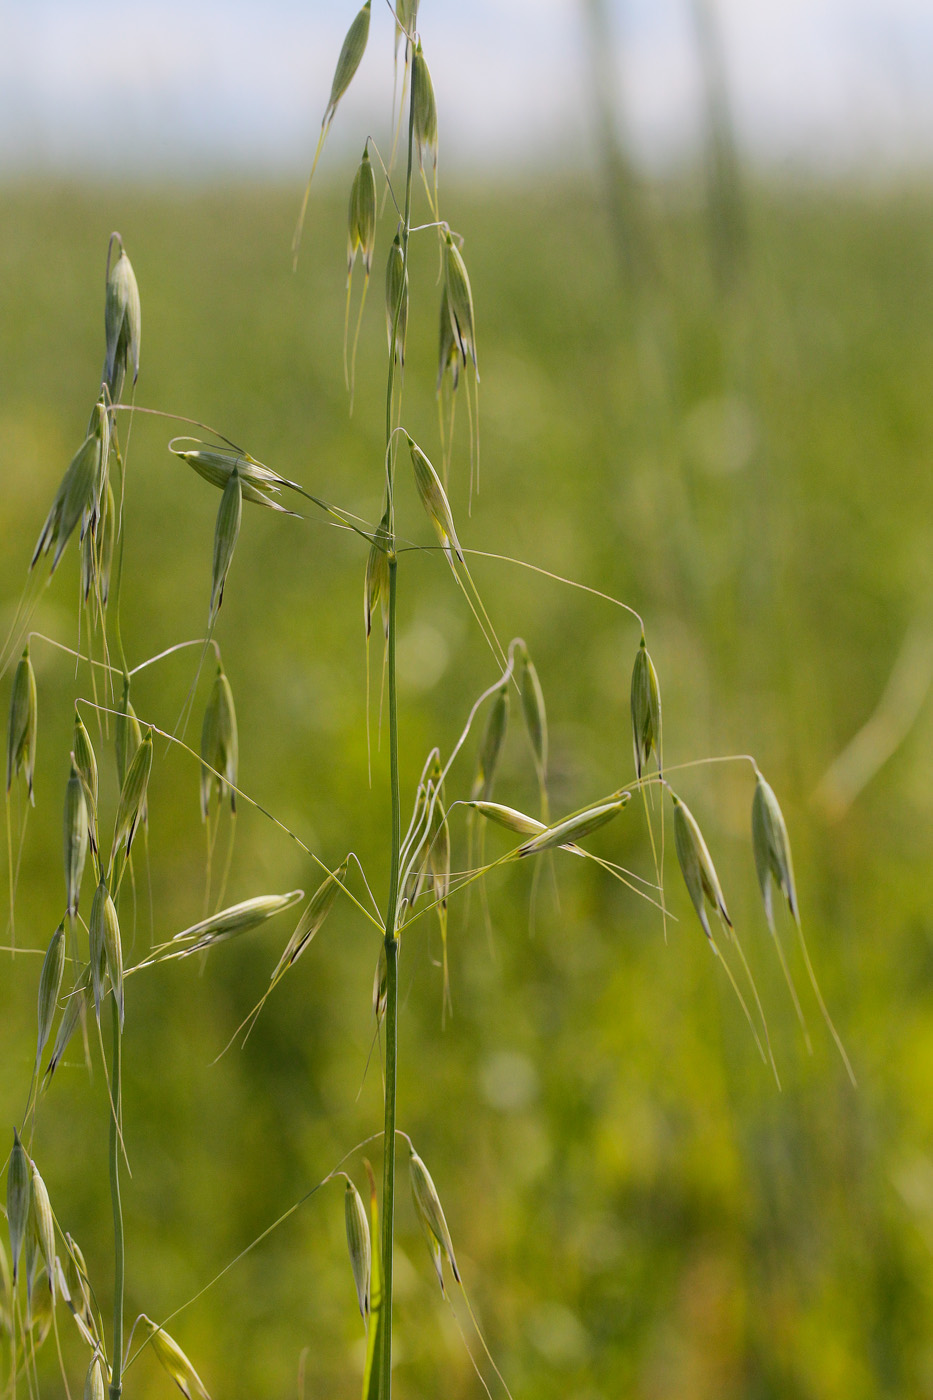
point(436, 847)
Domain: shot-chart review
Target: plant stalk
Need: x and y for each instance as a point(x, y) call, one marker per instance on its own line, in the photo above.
point(391, 929)
point(116, 1383)
point(391, 1012)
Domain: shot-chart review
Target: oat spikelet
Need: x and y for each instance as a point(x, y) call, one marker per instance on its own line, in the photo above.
point(424, 114)
point(431, 1218)
point(44, 1224)
point(490, 749)
point(406, 17)
point(773, 863)
point(76, 1291)
point(358, 1244)
point(646, 710)
point(380, 986)
point(361, 220)
point(322, 902)
point(122, 321)
point(74, 501)
point(75, 837)
point(448, 357)
point(50, 985)
point(174, 1360)
point(361, 238)
point(376, 583)
point(434, 499)
point(771, 848)
point(106, 949)
point(24, 714)
point(17, 1200)
point(225, 537)
point(397, 299)
point(459, 301)
point(573, 829)
point(231, 922)
point(372, 1371)
point(508, 817)
point(351, 55)
point(533, 710)
point(85, 760)
point(219, 745)
point(259, 484)
point(696, 866)
point(71, 1017)
point(94, 1381)
point(133, 796)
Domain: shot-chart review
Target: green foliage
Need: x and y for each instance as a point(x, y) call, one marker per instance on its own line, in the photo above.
point(637, 1208)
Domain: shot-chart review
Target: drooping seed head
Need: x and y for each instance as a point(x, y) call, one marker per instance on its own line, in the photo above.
point(122, 322)
point(424, 107)
point(133, 795)
point(358, 1243)
point(376, 583)
point(174, 1360)
point(396, 289)
point(434, 499)
point(17, 1200)
point(354, 46)
point(24, 714)
point(75, 837)
point(573, 829)
point(430, 1215)
point(459, 300)
point(646, 710)
point(44, 1224)
point(772, 850)
point(225, 537)
point(490, 749)
point(533, 709)
point(697, 867)
point(235, 920)
point(219, 745)
point(321, 903)
point(50, 984)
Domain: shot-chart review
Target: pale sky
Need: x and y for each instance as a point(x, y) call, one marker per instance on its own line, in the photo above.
point(179, 86)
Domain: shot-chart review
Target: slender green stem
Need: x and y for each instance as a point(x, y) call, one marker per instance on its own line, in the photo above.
point(116, 1383)
point(391, 1012)
point(391, 930)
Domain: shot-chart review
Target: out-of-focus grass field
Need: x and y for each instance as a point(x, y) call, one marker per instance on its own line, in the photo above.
point(637, 1211)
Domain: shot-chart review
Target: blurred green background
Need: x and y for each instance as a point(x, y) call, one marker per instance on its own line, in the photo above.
point(730, 431)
